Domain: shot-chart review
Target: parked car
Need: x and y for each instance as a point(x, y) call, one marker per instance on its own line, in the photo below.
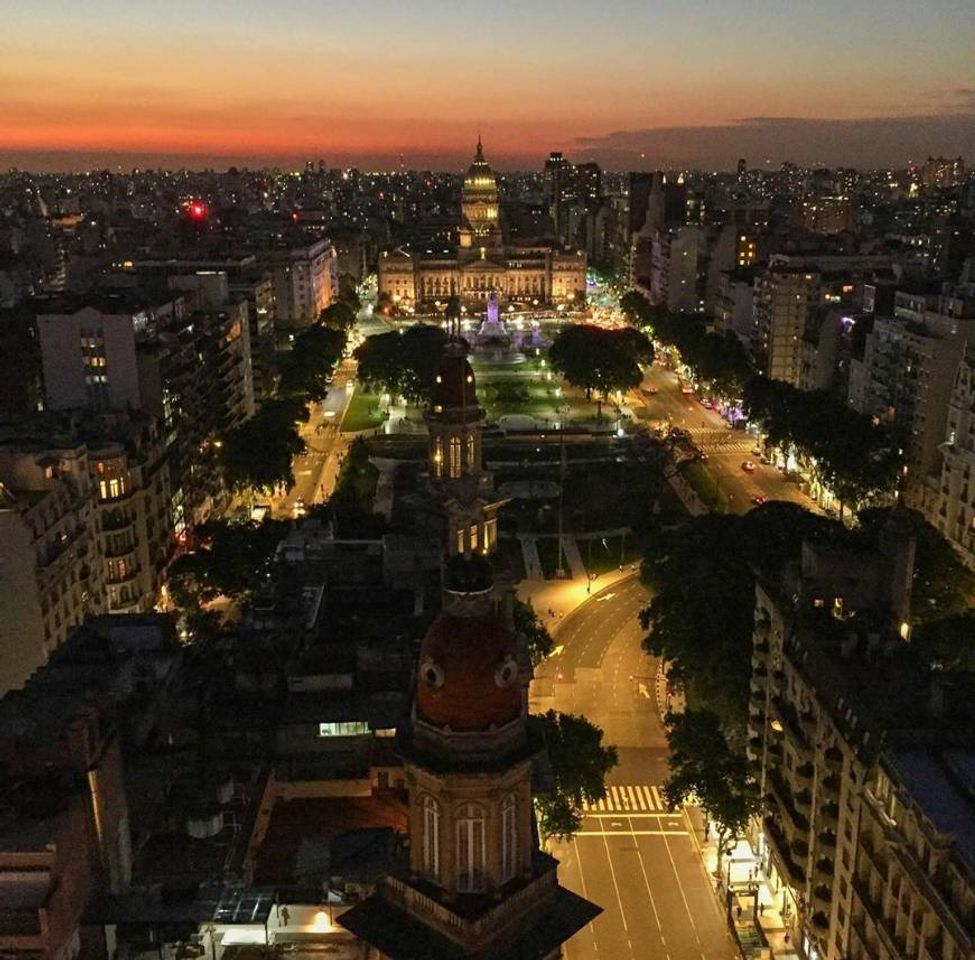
point(748, 466)
point(759, 499)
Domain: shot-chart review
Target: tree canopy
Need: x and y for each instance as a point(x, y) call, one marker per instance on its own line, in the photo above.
point(702, 579)
point(530, 626)
point(258, 454)
point(705, 770)
point(718, 359)
point(341, 314)
point(594, 358)
point(855, 457)
point(307, 369)
point(579, 763)
point(232, 559)
point(402, 364)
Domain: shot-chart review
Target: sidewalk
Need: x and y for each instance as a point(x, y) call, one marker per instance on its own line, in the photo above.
point(754, 911)
point(562, 597)
point(529, 553)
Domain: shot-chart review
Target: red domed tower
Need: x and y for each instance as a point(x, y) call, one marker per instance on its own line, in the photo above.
point(476, 884)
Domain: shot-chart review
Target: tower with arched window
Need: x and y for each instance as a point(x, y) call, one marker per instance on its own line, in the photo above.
point(476, 883)
point(462, 489)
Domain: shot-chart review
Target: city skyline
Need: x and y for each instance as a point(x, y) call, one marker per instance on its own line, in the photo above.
point(630, 87)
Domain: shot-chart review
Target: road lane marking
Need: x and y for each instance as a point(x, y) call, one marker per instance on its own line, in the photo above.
point(616, 886)
point(631, 833)
point(585, 890)
point(683, 896)
point(658, 802)
point(631, 796)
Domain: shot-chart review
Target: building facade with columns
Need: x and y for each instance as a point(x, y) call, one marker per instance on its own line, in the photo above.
point(481, 262)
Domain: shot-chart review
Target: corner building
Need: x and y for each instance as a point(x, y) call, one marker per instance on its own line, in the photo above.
point(476, 884)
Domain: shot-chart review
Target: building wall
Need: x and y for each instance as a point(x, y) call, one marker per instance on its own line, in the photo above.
point(78, 350)
point(953, 510)
point(305, 282)
point(50, 519)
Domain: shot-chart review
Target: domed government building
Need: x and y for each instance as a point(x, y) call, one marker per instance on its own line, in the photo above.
point(483, 261)
point(475, 884)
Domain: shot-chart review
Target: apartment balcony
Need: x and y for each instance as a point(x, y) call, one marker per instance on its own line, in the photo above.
point(831, 786)
point(803, 802)
point(869, 945)
point(114, 520)
point(834, 759)
point(785, 800)
point(875, 856)
point(758, 685)
point(130, 576)
point(895, 945)
point(822, 896)
point(792, 873)
point(824, 871)
point(787, 716)
point(934, 947)
point(122, 550)
point(804, 773)
point(829, 814)
point(809, 724)
point(827, 840)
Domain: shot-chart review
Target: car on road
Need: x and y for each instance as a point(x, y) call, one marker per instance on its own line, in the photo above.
point(759, 499)
point(702, 456)
point(299, 510)
point(748, 466)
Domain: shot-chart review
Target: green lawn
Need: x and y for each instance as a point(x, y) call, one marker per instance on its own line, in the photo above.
point(705, 486)
point(362, 413)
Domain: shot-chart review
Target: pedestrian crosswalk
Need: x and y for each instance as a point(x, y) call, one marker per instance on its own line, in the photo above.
point(642, 798)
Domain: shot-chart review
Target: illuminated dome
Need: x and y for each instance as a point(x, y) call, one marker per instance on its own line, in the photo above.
point(480, 182)
point(467, 679)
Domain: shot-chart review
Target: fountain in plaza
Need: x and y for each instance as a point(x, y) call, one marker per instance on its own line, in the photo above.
point(493, 332)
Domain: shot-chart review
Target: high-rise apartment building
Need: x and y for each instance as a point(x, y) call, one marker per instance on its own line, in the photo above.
point(184, 363)
point(306, 281)
point(909, 365)
point(864, 760)
point(51, 575)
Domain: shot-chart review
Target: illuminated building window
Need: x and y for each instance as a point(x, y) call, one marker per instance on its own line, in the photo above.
point(111, 489)
point(470, 848)
point(474, 537)
point(470, 452)
point(453, 461)
point(351, 728)
point(438, 457)
point(509, 838)
point(431, 837)
point(460, 539)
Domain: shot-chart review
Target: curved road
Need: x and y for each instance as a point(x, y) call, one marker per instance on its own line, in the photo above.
point(633, 857)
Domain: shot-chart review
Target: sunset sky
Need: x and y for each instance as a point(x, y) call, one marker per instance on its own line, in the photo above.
point(631, 83)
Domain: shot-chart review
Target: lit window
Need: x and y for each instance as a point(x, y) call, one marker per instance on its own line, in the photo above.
point(453, 465)
point(474, 537)
point(350, 728)
point(438, 457)
point(471, 447)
